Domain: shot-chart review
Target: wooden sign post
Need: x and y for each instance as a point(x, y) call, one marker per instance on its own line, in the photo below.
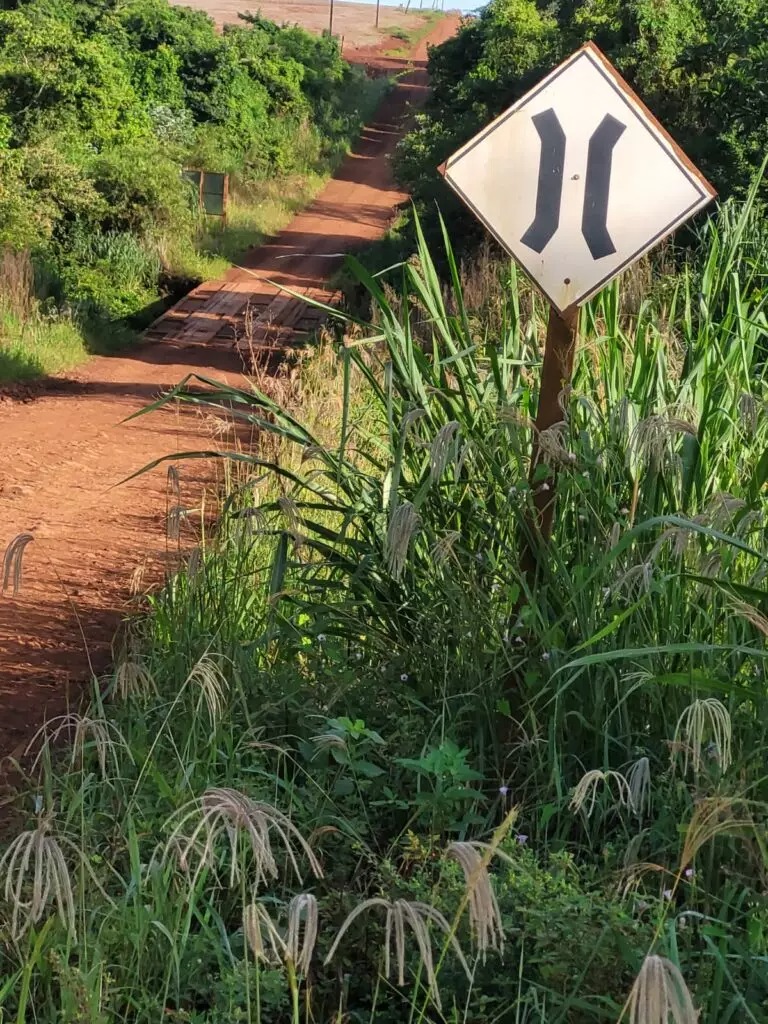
point(577, 180)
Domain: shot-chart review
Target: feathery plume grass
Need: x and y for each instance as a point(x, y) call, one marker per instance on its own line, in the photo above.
point(208, 679)
point(440, 449)
point(703, 721)
point(134, 680)
point(403, 524)
point(659, 995)
point(586, 790)
point(751, 615)
point(296, 947)
point(401, 915)
point(442, 550)
point(552, 445)
point(653, 438)
point(639, 779)
point(173, 483)
point(290, 510)
point(712, 817)
point(176, 513)
point(303, 919)
point(35, 857)
point(234, 816)
point(78, 731)
point(484, 913)
point(13, 562)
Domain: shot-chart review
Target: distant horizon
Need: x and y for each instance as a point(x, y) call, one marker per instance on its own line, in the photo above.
point(463, 6)
point(460, 6)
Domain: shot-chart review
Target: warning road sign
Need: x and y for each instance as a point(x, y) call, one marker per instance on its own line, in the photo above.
point(577, 179)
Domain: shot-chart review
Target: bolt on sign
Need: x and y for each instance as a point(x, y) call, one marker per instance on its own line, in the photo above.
point(212, 191)
point(577, 179)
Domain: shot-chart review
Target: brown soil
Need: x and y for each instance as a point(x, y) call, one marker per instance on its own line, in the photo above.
point(66, 447)
point(353, 23)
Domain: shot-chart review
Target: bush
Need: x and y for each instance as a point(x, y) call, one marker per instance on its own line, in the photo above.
point(699, 65)
point(103, 105)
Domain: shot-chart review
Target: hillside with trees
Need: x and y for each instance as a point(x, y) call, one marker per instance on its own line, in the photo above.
point(103, 104)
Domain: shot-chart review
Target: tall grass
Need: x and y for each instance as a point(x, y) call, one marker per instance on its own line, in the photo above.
point(33, 341)
point(382, 679)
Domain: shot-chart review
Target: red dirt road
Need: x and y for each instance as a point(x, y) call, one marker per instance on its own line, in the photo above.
point(65, 452)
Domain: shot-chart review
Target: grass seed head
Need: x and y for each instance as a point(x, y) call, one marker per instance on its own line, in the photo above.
point(553, 447)
point(134, 680)
point(712, 817)
point(484, 913)
point(173, 485)
point(440, 449)
point(585, 792)
point(402, 916)
point(207, 678)
point(442, 549)
point(660, 995)
point(78, 731)
point(301, 938)
point(703, 731)
point(403, 524)
point(35, 873)
point(235, 817)
point(639, 779)
point(13, 560)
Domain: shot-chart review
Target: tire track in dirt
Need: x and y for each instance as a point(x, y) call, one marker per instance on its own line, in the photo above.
point(64, 452)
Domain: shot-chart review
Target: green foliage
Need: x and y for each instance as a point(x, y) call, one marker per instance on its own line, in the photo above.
point(359, 648)
point(698, 64)
point(102, 105)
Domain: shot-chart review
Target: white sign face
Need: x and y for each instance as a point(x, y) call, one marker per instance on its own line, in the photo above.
point(577, 179)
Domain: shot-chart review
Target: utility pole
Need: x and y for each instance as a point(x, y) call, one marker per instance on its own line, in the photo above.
point(378, 5)
point(330, 21)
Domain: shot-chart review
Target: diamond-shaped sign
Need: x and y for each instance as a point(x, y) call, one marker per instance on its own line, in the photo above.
point(577, 179)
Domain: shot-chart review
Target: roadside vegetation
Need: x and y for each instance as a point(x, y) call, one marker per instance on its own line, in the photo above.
point(354, 762)
point(101, 107)
point(700, 65)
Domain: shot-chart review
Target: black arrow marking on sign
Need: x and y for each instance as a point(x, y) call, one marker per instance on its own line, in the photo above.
point(594, 220)
point(550, 190)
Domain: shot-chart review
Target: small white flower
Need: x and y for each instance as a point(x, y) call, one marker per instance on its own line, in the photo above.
point(623, 511)
point(521, 839)
point(585, 474)
point(321, 638)
point(404, 677)
point(571, 456)
point(545, 487)
point(504, 790)
point(667, 894)
point(545, 656)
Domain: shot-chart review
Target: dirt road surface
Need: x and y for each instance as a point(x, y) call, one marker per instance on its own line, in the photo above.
point(66, 451)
